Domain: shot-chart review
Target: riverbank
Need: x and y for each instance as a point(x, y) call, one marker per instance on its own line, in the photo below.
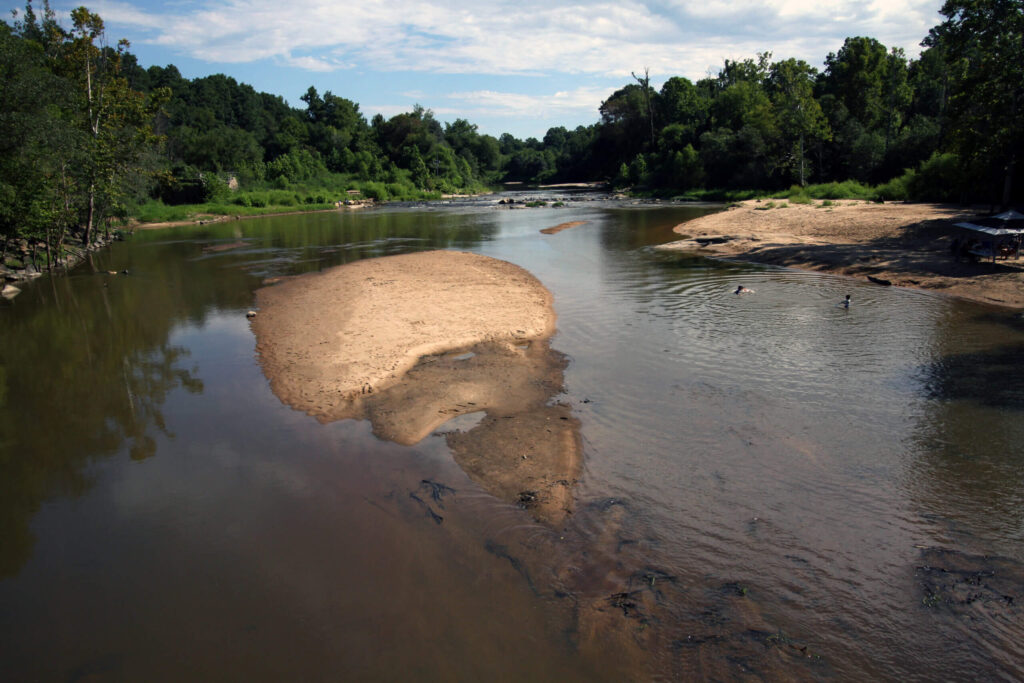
point(25, 259)
point(905, 245)
point(206, 219)
point(414, 341)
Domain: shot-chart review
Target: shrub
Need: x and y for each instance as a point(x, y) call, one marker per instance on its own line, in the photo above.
point(937, 179)
point(894, 190)
point(375, 190)
point(848, 189)
point(800, 198)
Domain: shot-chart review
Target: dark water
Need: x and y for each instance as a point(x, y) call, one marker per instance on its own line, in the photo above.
point(773, 487)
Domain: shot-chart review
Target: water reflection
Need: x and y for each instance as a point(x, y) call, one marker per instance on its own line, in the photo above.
point(84, 370)
point(774, 487)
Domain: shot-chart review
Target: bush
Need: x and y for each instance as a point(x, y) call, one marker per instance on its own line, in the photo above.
point(848, 189)
point(937, 179)
point(214, 187)
point(798, 196)
point(894, 190)
point(375, 190)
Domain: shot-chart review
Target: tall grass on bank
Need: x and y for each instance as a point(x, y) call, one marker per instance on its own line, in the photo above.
point(292, 197)
point(939, 179)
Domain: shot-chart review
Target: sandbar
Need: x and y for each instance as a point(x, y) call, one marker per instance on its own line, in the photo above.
point(555, 229)
point(410, 342)
point(904, 244)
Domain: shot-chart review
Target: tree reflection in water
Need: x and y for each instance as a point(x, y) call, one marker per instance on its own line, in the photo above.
point(89, 385)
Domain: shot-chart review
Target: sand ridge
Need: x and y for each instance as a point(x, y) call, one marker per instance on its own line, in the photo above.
point(410, 342)
point(905, 244)
point(555, 229)
point(324, 339)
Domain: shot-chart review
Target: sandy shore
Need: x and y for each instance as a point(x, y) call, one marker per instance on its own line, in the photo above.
point(410, 342)
point(905, 244)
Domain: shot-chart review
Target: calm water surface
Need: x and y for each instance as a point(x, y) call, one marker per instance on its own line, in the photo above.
point(774, 486)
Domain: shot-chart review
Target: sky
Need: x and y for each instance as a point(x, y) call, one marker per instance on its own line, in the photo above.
point(508, 66)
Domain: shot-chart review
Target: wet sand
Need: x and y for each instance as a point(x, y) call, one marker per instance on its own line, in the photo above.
point(906, 245)
point(555, 229)
point(410, 342)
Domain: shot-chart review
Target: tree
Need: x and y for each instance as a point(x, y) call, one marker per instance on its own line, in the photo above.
point(645, 84)
point(791, 84)
point(855, 78)
point(37, 147)
point(983, 42)
point(681, 103)
point(116, 120)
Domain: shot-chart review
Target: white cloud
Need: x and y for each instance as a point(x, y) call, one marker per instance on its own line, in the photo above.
point(311, 63)
point(685, 37)
point(493, 103)
point(479, 104)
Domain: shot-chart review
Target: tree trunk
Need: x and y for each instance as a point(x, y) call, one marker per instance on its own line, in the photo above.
point(92, 211)
point(803, 180)
point(1008, 183)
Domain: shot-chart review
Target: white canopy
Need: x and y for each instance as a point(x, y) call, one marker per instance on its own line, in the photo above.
point(995, 232)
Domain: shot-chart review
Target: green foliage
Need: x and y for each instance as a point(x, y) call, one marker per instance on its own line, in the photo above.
point(215, 188)
point(849, 189)
point(981, 41)
point(894, 190)
point(77, 121)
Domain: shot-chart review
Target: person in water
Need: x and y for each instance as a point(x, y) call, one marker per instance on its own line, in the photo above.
point(846, 301)
point(740, 289)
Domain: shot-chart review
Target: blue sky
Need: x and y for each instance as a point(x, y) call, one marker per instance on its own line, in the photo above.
point(516, 66)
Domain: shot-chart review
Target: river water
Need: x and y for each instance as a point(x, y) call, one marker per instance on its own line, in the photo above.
point(774, 486)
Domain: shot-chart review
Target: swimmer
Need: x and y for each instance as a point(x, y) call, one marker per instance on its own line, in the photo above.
point(846, 302)
point(740, 289)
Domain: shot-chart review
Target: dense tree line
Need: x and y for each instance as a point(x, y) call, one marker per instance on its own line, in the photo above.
point(88, 135)
point(945, 126)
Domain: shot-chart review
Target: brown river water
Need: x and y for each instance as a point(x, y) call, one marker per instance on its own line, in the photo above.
point(773, 487)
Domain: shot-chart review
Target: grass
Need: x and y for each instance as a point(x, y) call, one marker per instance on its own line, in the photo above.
point(158, 212)
point(848, 189)
point(294, 197)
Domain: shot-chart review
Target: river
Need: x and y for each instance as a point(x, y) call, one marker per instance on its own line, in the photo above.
point(773, 486)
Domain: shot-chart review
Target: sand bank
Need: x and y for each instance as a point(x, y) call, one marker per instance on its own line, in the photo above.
point(555, 229)
point(413, 341)
point(905, 244)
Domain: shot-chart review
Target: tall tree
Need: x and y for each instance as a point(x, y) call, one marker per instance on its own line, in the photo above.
point(791, 86)
point(116, 120)
point(645, 83)
point(983, 41)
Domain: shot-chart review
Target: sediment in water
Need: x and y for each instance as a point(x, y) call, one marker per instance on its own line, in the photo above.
point(410, 342)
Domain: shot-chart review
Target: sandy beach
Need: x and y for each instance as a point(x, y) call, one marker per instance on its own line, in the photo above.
point(904, 244)
point(411, 342)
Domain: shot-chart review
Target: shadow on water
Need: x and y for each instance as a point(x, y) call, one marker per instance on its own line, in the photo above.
point(991, 377)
